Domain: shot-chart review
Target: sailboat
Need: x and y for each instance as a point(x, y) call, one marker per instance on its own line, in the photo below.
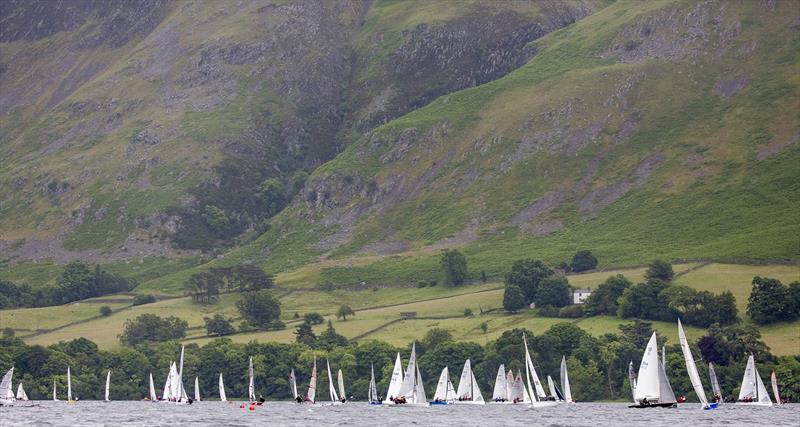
point(331, 389)
point(714, 384)
point(293, 385)
point(445, 393)
point(652, 387)
point(522, 394)
point(342, 396)
point(555, 394)
point(773, 378)
point(412, 390)
point(69, 387)
point(565, 381)
point(372, 393)
point(152, 390)
point(468, 391)
point(536, 398)
point(396, 381)
point(108, 386)
point(753, 392)
point(632, 380)
point(174, 392)
point(501, 392)
point(251, 390)
point(222, 396)
point(55, 394)
point(312, 384)
point(21, 395)
point(691, 368)
point(196, 389)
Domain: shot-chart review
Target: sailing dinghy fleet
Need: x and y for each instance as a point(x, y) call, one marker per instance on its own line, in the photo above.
point(650, 386)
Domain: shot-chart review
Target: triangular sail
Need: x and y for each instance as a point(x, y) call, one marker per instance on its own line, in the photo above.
point(465, 382)
point(409, 379)
point(441, 386)
point(196, 389)
point(647, 383)
point(714, 383)
point(524, 388)
point(55, 395)
point(748, 388)
point(372, 394)
point(153, 396)
point(341, 385)
point(511, 391)
point(691, 368)
point(331, 389)
point(69, 384)
point(450, 393)
point(21, 395)
point(293, 384)
point(530, 374)
point(181, 391)
point(632, 380)
point(311, 393)
point(222, 396)
point(6, 389)
point(396, 381)
point(551, 387)
point(108, 385)
point(500, 391)
point(251, 391)
point(418, 394)
point(476, 394)
point(773, 379)
point(665, 389)
point(565, 380)
point(763, 396)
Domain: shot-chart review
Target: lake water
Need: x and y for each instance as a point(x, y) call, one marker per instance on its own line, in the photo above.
point(126, 413)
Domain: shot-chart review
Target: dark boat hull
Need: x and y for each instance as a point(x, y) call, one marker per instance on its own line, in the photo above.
point(656, 405)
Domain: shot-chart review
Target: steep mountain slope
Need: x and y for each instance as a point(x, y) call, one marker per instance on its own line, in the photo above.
point(131, 128)
point(642, 131)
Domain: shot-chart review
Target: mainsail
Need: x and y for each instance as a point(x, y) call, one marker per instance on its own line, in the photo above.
point(251, 391)
point(511, 387)
point(552, 388)
point(773, 378)
point(153, 396)
point(222, 396)
point(21, 395)
point(396, 381)
point(647, 383)
point(311, 394)
point(372, 394)
point(108, 385)
point(69, 385)
point(6, 390)
point(632, 380)
point(293, 384)
point(409, 379)
point(441, 386)
point(565, 380)
point(55, 395)
point(331, 389)
point(500, 391)
point(691, 368)
point(468, 386)
point(714, 383)
point(196, 389)
point(530, 375)
point(341, 386)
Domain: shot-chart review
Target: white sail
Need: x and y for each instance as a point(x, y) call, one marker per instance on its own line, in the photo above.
point(6, 389)
point(441, 386)
point(153, 396)
point(251, 391)
point(691, 368)
point(372, 394)
point(167, 393)
point(69, 385)
point(665, 389)
point(647, 383)
point(311, 394)
point(552, 388)
point(632, 379)
point(396, 381)
point(511, 393)
point(55, 395)
point(409, 379)
point(524, 391)
point(418, 393)
point(331, 389)
point(293, 384)
point(181, 391)
point(748, 388)
point(341, 386)
point(196, 389)
point(108, 385)
point(773, 379)
point(565, 380)
point(714, 383)
point(222, 396)
point(500, 392)
point(530, 375)
point(21, 395)
point(464, 392)
point(763, 396)
point(477, 396)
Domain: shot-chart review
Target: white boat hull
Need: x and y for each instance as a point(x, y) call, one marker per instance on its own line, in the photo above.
point(753, 404)
point(468, 402)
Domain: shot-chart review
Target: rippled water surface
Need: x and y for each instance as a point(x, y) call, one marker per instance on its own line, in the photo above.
point(127, 413)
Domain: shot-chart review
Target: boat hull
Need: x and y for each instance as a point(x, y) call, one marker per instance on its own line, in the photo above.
point(656, 405)
point(753, 404)
point(545, 404)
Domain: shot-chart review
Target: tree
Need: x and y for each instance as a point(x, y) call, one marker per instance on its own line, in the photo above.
point(454, 265)
point(553, 291)
point(304, 334)
point(435, 337)
point(218, 325)
point(643, 301)
point(203, 287)
point(329, 339)
point(659, 270)
point(143, 299)
point(105, 311)
point(345, 311)
point(260, 310)
point(603, 300)
point(216, 219)
point(582, 261)
point(150, 327)
point(526, 274)
point(484, 327)
point(793, 301)
point(724, 345)
point(513, 300)
point(314, 318)
point(767, 302)
point(272, 196)
point(76, 283)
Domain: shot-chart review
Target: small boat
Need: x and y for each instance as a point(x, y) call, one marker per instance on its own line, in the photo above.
point(652, 388)
point(7, 392)
point(632, 380)
point(152, 390)
point(691, 368)
point(311, 393)
point(251, 390)
point(396, 381)
point(714, 384)
point(468, 391)
point(342, 395)
point(21, 395)
point(196, 389)
point(331, 389)
point(537, 398)
point(773, 378)
point(108, 386)
point(412, 390)
point(521, 394)
point(174, 391)
point(565, 381)
point(222, 396)
point(445, 393)
point(753, 392)
point(372, 393)
point(555, 394)
point(69, 387)
point(502, 389)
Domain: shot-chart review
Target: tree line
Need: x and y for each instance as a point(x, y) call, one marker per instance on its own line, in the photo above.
point(597, 365)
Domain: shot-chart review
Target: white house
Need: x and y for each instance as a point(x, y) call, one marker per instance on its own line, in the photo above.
point(579, 295)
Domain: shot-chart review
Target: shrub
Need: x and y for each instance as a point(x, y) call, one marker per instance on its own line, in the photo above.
point(467, 312)
point(143, 299)
point(150, 327)
point(549, 311)
point(454, 265)
point(571, 311)
point(582, 261)
point(314, 318)
point(659, 270)
point(105, 311)
point(218, 325)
